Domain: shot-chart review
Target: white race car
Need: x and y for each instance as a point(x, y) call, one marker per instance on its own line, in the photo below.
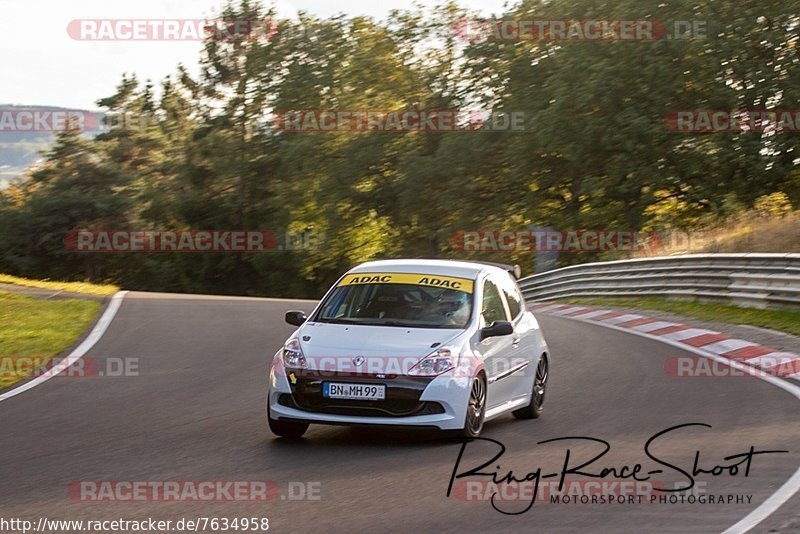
point(414, 343)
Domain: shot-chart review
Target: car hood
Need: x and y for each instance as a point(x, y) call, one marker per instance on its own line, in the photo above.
point(326, 340)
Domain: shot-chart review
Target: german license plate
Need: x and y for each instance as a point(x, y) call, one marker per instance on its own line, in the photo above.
point(333, 390)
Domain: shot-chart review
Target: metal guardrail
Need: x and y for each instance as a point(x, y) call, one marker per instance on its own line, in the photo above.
point(751, 280)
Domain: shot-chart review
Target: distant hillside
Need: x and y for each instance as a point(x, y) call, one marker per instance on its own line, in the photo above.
point(21, 149)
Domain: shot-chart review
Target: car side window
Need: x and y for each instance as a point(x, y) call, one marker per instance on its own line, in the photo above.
point(492, 308)
point(513, 298)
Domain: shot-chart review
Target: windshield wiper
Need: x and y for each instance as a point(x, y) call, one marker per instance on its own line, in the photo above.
point(367, 322)
point(338, 320)
point(387, 322)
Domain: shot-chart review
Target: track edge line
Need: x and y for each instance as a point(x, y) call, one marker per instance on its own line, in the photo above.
point(80, 351)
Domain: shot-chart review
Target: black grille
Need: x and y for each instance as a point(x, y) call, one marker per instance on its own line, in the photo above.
point(358, 408)
point(402, 396)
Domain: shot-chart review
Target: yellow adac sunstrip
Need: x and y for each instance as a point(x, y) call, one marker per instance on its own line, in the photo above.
point(432, 280)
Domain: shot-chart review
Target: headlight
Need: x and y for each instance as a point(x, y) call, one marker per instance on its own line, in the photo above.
point(293, 355)
point(436, 363)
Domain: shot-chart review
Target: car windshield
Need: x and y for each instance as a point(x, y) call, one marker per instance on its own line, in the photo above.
point(447, 304)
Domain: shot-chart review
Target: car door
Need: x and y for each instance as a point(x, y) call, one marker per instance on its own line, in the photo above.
point(524, 350)
point(496, 351)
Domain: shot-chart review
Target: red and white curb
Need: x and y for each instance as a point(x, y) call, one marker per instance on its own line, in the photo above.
point(764, 359)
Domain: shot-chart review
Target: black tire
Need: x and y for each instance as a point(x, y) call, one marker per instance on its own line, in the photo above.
point(534, 409)
point(286, 429)
point(476, 409)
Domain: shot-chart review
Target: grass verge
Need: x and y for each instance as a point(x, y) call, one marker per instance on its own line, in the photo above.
point(36, 330)
point(782, 320)
point(71, 287)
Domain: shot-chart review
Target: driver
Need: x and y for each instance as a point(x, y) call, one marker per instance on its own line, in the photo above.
point(454, 306)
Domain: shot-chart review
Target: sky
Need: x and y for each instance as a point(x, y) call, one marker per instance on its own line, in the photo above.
point(44, 66)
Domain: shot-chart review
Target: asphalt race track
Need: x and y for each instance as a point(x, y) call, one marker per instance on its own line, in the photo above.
point(196, 412)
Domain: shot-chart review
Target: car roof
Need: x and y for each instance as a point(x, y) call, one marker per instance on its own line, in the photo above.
point(457, 268)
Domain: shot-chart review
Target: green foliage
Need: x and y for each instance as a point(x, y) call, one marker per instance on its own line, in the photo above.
point(773, 205)
point(595, 155)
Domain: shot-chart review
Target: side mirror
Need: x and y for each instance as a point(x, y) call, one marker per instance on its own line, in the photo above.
point(497, 328)
point(296, 318)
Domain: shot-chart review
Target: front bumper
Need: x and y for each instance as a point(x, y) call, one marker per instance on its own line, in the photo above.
point(436, 402)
